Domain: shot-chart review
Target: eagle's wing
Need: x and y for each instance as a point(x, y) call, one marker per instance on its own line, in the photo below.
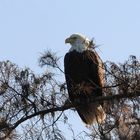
point(84, 80)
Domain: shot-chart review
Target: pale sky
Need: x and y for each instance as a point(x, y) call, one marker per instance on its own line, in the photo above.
point(29, 27)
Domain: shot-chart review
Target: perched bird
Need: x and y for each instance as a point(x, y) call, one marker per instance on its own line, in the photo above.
point(84, 72)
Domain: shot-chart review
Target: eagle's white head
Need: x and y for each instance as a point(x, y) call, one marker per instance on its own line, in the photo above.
point(78, 42)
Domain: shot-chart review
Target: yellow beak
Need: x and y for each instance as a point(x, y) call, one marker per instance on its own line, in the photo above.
point(68, 40)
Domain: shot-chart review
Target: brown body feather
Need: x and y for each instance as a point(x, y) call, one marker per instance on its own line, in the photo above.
point(85, 78)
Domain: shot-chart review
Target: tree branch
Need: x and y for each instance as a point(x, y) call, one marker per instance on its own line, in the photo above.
point(68, 106)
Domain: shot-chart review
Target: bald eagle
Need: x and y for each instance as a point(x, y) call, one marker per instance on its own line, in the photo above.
point(84, 74)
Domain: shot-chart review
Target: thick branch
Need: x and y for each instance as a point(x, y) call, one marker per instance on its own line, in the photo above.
point(66, 107)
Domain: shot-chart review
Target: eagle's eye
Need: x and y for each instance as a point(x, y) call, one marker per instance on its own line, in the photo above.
point(74, 38)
